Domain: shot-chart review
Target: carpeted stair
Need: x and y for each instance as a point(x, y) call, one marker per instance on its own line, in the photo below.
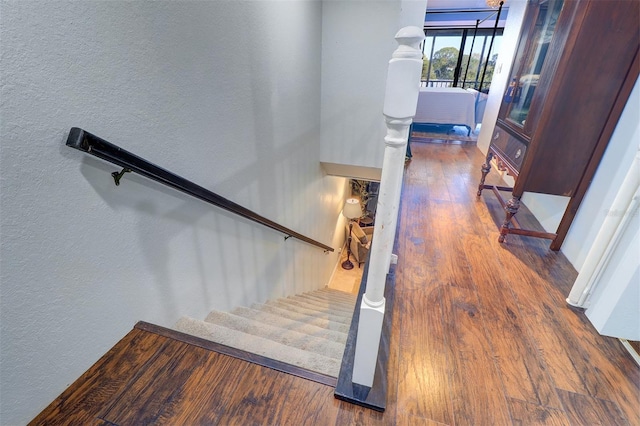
point(308, 330)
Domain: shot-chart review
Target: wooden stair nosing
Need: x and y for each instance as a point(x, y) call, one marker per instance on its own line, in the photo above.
point(238, 353)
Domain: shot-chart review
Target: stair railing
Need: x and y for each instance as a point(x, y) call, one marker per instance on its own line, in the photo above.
point(84, 141)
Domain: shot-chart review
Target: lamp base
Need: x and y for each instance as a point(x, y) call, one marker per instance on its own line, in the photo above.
point(347, 264)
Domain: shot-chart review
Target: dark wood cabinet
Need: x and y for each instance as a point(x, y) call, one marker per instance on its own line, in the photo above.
point(575, 65)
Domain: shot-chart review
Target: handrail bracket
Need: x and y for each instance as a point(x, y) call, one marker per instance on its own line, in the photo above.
point(118, 175)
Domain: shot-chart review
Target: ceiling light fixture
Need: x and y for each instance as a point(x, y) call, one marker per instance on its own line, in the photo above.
point(494, 3)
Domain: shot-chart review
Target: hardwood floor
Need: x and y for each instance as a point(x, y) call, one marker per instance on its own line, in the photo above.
point(481, 335)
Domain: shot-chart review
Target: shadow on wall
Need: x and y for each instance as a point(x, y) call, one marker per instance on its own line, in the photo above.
point(223, 248)
point(200, 248)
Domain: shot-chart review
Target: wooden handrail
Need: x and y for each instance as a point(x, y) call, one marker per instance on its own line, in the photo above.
point(92, 144)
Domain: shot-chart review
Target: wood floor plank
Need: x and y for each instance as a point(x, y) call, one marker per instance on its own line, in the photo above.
point(80, 403)
point(422, 258)
point(608, 357)
point(272, 397)
point(523, 372)
point(351, 415)
point(557, 343)
point(149, 392)
point(453, 267)
point(212, 381)
point(585, 410)
point(409, 420)
point(573, 369)
point(424, 389)
point(318, 407)
point(585, 346)
point(250, 399)
point(589, 348)
point(527, 414)
point(436, 182)
point(476, 385)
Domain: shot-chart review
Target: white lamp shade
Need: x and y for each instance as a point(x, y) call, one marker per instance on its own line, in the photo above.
point(352, 209)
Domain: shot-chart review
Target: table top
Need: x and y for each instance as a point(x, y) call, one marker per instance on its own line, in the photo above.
point(454, 90)
point(446, 105)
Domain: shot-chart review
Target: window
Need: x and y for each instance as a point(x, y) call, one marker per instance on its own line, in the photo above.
point(444, 66)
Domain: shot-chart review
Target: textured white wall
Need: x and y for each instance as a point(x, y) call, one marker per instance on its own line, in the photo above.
point(226, 94)
point(357, 43)
point(611, 172)
point(499, 81)
point(614, 304)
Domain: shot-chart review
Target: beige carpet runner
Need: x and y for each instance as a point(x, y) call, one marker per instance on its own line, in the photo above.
point(309, 330)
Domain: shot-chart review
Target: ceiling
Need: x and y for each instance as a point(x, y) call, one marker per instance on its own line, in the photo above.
point(462, 13)
point(456, 4)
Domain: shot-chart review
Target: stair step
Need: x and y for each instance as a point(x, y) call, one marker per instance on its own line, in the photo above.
point(334, 291)
point(308, 330)
point(319, 310)
point(326, 342)
point(259, 345)
point(297, 316)
point(329, 300)
point(339, 333)
point(342, 295)
point(347, 309)
point(318, 306)
point(311, 312)
point(333, 294)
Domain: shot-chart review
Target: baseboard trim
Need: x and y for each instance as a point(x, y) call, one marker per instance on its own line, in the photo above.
point(237, 353)
point(632, 351)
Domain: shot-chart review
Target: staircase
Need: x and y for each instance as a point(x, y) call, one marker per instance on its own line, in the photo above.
point(308, 330)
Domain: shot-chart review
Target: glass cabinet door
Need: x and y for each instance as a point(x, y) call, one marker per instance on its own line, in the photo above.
point(530, 57)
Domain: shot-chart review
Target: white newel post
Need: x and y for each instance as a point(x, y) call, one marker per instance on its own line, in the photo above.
point(401, 99)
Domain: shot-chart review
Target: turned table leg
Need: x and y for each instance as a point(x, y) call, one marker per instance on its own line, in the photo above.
point(486, 167)
point(511, 208)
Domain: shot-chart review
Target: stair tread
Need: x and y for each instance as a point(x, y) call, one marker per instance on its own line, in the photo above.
point(319, 306)
point(297, 316)
point(323, 304)
point(303, 337)
point(288, 323)
point(337, 293)
point(259, 345)
point(328, 298)
point(308, 330)
point(311, 312)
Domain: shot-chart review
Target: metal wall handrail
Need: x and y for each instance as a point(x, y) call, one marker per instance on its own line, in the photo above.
point(92, 144)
